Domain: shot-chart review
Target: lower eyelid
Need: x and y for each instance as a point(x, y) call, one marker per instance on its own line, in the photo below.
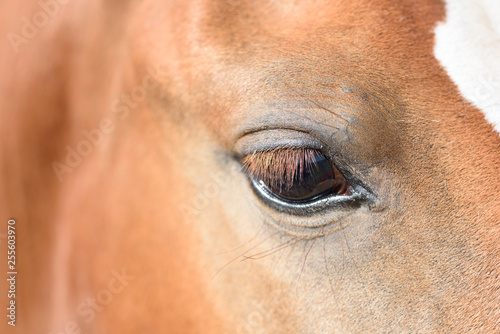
point(312, 219)
point(332, 208)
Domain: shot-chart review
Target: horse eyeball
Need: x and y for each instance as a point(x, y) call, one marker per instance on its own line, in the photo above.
point(296, 175)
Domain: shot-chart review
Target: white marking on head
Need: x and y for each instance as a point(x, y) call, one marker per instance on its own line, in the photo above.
point(468, 47)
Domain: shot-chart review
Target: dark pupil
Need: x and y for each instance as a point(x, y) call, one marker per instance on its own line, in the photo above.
point(314, 178)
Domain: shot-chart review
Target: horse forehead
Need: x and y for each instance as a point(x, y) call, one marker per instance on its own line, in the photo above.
point(316, 28)
point(372, 48)
point(321, 40)
point(468, 46)
point(298, 15)
point(333, 36)
point(377, 45)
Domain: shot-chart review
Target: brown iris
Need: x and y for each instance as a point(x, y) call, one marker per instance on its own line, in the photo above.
point(296, 174)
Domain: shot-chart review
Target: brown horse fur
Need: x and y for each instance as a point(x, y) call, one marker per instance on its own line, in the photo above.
point(162, 199)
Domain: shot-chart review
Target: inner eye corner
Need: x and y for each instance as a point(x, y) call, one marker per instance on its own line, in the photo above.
point(295, 175)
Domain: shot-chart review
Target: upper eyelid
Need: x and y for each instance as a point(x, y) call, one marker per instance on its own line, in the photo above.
point(271, 139)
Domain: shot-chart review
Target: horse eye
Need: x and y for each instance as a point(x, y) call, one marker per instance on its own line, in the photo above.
point(296, 175)
point(316, 177)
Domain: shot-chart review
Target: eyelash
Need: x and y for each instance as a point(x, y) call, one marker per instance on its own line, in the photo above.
point(270, 166)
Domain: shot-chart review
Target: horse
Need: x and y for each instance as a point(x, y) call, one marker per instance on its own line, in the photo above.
point(217, 166)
